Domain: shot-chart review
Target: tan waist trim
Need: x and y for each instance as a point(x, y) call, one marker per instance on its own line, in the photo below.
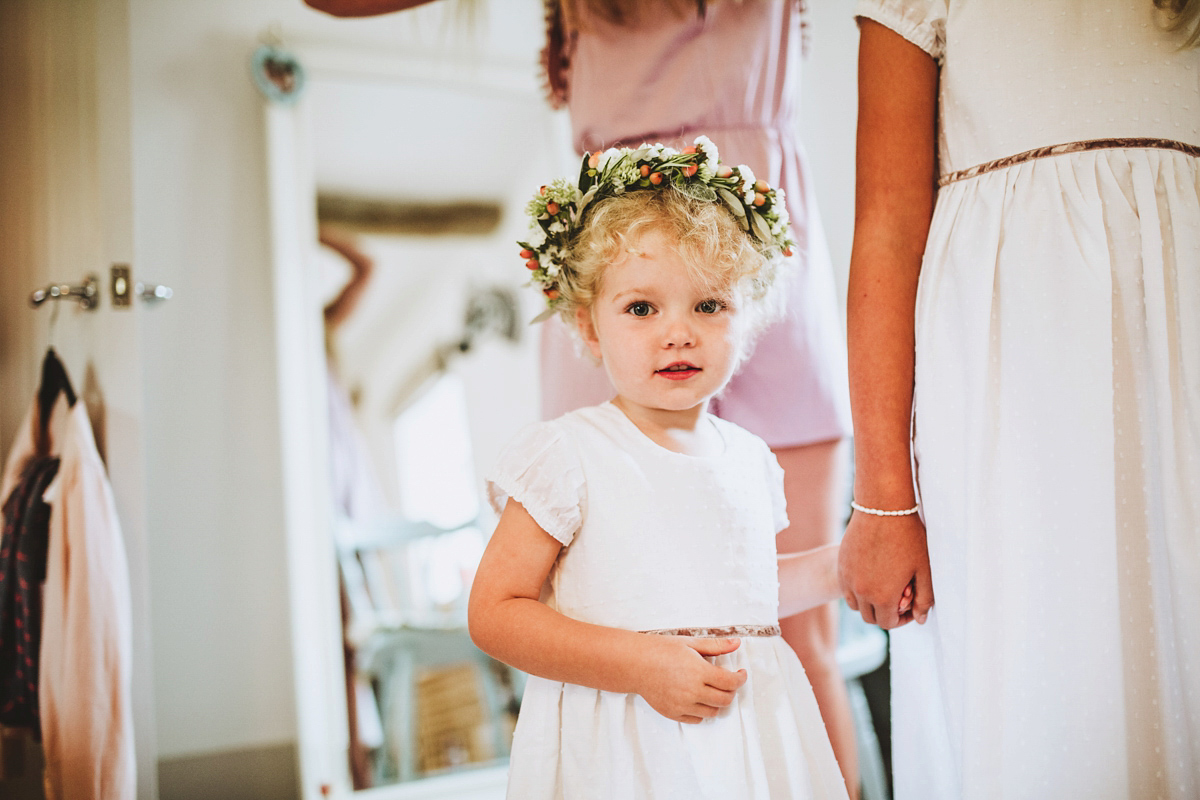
point(1069, 147)
point(718, 633)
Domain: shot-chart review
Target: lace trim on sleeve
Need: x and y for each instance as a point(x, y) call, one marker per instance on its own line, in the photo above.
point(778, 495)
point(922, 22)
point(540, 470)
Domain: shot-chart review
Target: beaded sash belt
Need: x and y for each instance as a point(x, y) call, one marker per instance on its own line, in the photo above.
point(720, 633)
point(1069, 147)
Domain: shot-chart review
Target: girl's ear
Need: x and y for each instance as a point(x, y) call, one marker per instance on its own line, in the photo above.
point(587, 330)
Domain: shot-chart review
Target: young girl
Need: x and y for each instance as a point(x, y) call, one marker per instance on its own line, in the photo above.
point(631, 526)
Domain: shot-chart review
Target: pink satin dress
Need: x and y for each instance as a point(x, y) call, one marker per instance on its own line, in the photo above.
point(732, 74)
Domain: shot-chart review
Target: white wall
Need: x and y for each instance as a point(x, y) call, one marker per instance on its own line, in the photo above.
point(830, 114)
point(222, 658)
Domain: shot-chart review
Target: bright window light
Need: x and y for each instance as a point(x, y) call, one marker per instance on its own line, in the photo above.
point(436, 466)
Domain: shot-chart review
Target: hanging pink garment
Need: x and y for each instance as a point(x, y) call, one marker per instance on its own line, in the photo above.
point(733, 75)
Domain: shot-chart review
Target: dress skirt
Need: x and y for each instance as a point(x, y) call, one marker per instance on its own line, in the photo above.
point(1057, 441)
point(576, 743)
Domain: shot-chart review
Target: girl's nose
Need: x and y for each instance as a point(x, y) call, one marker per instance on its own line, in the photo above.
point(679, 333)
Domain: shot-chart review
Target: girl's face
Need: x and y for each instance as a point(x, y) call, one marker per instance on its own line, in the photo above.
point(667, 344)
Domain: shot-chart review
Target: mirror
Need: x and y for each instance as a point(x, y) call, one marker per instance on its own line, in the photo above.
point(429, 368)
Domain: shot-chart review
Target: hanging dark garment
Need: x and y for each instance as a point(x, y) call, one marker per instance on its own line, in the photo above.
point(54, 382)
point(23, 548)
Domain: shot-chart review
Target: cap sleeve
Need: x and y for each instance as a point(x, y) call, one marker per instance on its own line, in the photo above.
point(540, 469)
point(778, 496)
point(922, 22)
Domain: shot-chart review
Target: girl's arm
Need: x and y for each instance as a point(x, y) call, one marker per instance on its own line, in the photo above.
point(810, 578)
point(807, 579)
point(508, 622)
point(896, 160)
point(362, 8)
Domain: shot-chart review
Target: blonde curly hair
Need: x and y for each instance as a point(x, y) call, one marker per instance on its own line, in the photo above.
point(719, 254)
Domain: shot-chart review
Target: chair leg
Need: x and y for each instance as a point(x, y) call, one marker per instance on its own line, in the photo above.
point(870, 758)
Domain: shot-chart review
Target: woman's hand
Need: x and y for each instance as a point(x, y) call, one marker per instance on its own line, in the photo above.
point(880, 558)
point(680, 684)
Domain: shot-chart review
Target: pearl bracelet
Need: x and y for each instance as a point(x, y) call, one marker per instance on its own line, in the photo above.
point(879, 513)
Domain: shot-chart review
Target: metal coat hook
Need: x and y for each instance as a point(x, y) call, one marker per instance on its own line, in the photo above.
point(152, 292)
point(86, 293)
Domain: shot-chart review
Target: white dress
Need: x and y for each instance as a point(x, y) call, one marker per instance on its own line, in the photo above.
point(655, 540)
point(1057, 408)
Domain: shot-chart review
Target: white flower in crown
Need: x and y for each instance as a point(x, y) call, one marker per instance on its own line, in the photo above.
point(705, 145)
point(608, 158)
point(551, 267)
point(557, 227)
point(747, 182)
point(779, 207)
point(783, 221)
point(536, 237)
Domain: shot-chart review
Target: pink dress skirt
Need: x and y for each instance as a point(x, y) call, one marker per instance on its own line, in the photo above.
point(732, 74)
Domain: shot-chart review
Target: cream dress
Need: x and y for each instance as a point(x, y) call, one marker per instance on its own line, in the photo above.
point(655, 540)
point(1057, 410)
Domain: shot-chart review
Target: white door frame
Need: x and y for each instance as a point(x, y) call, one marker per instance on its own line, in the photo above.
point(313, 586)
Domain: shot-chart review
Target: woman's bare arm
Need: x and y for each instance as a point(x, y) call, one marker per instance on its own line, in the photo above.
point(895, 190)
point(361, 267)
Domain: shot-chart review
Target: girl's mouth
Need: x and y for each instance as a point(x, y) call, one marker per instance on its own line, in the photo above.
point(680, 370)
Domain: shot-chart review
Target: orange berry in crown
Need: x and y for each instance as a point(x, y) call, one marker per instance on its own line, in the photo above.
point(532, 263)
point(594, 160)
point(759, 199)
point(552, 208)
point(724, 171)
point(656, 178)
point(691, 149)
point(762, 186)
point(690, 170)
point(645, 170)
point(787, 252)
point(551, 293)
point(526, 253)
point(542, 191)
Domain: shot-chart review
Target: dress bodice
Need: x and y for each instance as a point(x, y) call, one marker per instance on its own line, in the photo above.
point(1017, 75)
point(662, 539)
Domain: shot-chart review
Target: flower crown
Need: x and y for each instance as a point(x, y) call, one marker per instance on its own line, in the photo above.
point(556, 212)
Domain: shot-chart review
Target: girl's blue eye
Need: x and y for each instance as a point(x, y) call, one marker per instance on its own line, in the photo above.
point(710, 306)
point(639, 309)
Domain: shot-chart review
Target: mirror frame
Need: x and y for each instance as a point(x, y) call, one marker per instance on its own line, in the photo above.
point(316, 626)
